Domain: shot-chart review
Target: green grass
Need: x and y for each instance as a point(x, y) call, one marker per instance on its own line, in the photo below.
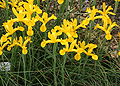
point(45, 67)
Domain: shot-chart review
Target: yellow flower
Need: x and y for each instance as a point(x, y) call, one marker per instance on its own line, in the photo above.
point(3, 4)
point(9, 28)
point(78, 48)
point(106, 10)
point(106, 29)
point(52, 36)
point(8, 25)
point(69, 28)
point(117, 0)
point(3, 38)
point(68, 47)
point(26, 8)
point(3, 46)
point(108, 36)
point(24, 50)
point(14, 3)
point(30, 31)
point(84, 22)
point(119, 53)
point(30, 8)
point(89, 47)
point(92, 12)
point(43, 43)
point(62, 52)
point(19, 14)
point(94, 57)
point(43, 28)
point(60, 1)
point(44, 19)
point(21, 43)
point(77, 57)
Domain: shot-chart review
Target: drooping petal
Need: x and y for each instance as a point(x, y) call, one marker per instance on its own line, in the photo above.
point(77, 57)
point(62, 52)
point(94, 57)
point(60, 1)
point(43, 28)
point(43, 43)
point(108, 36)
point(24, 50)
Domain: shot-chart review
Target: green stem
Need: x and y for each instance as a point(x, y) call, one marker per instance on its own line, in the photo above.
point(30, 62)
point(38, 2)
point(6, 10)
point(116, 6)
point(62, 10)
point(24, 66)
point(54, 64)
point(94, 2)
point(63, 72)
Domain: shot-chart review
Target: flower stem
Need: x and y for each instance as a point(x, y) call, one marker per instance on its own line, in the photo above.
point(24, 69)
point(6, 10)
point(63, 72)
point(116, 6)
point(54, 64)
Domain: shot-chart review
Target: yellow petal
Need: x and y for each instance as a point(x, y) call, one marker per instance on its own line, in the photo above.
point(45, 16)
point(24, 50)
point(30, 32)
point(43, 28)
point(82, 45)
point(77, 57)
point(21, 28)
point(1, 51)
point(60, 1)
point(4, 38)
point(62, 52)
point(53, 17)
point(117, 0)
point(94, 57)
point(38, 10)
point(8, 48)
point(43, 43)
point(119, 53)
point(108, 37)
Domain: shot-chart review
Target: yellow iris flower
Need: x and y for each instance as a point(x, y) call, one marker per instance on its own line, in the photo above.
point(14, 3)
point(44, 19)
point(52, 36)
point(3, 4)
point(3, 46)
point(92, 12)
point(21, 43)
point(9, 29)
point(78, 48)
point(106, 29)
point(69, 28)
